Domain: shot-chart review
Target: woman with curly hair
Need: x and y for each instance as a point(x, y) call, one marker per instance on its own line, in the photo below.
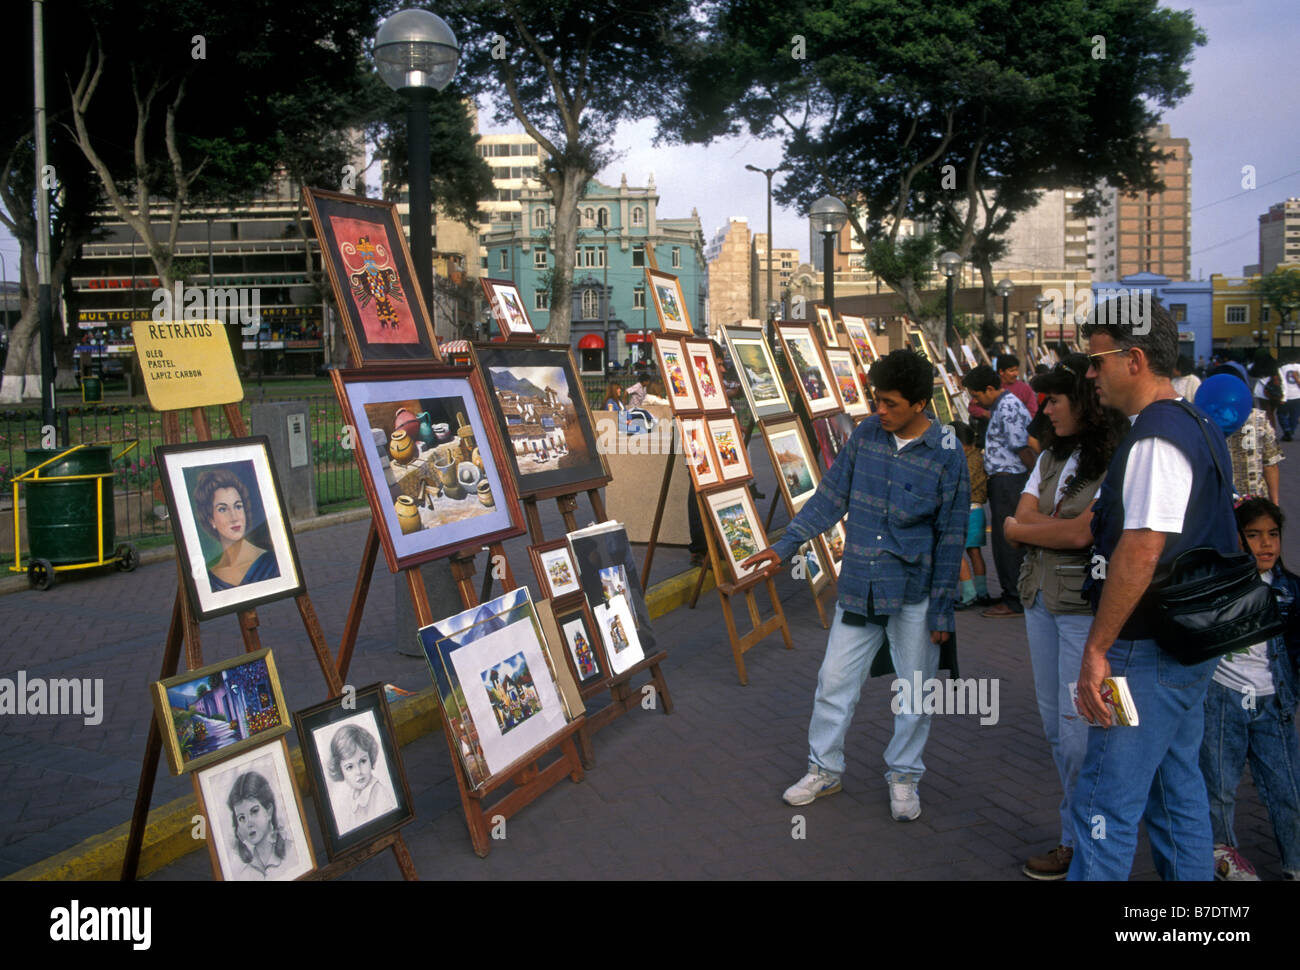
point(261, 841)
point(1053, 521)
point(221, 503)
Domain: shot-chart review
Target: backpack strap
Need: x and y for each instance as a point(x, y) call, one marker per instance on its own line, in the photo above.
point(1202, 421)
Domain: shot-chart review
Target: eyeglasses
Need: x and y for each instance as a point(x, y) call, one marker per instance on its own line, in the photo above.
point(1095, 359)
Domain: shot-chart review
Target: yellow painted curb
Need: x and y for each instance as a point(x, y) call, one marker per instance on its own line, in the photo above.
point(169, 833)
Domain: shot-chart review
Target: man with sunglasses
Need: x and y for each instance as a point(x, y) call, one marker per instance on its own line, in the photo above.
point(1163, 495)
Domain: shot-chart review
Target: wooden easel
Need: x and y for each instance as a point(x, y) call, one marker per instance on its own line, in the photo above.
point(185, 628)
point(622, 697)
point(530, 779)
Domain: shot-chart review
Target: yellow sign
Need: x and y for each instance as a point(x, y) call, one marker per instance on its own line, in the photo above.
point(186, 363)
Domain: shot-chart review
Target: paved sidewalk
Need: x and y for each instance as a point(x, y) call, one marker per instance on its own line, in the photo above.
point(693, 795)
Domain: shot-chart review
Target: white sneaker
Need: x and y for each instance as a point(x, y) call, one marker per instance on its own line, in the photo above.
point(811, 787)
point(904, 802)
point(1230, 866)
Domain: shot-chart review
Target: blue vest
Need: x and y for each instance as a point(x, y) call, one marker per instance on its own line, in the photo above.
point(1209, 519)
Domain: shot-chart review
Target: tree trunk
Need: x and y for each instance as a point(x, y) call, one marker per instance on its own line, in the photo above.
point(990, 292)
point(566, 190)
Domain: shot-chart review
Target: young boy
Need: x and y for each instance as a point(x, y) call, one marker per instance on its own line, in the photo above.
point(973, 587)
point(1249, 711)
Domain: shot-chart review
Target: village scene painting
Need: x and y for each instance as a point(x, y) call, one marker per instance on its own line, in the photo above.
point(541, 419)
point(223, 708)
point(793, 465)
point(511, 692)
point(737, 531)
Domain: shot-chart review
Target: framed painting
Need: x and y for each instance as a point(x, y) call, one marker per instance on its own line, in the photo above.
point(583, 650)
point(817, 574)
point(952, 359)
point(916, 340)
point(508, 309)
point(941, 404)
point(233, 539)
point(363, 247)
point(256, 828)
point(619, 634)
point(729, 448)
point(809, 368)
point(676, 372)
point(708, 381)
point(949, 381)
point(826, 326)
point(737, 524)
point(541, 412)
point(860, 341)
point(833, 540)
point(757, 372)
point(432, 464)
point(355, 769)
point(670, 305)
point(845, 372)
point(557, 574)
point(699, 452)
point(793, 460)
point(608, 568)
point(209, 714)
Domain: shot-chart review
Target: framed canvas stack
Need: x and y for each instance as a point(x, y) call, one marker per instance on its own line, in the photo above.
point(508, 310)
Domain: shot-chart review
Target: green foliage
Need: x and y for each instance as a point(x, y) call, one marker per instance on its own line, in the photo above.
point(1280, 289)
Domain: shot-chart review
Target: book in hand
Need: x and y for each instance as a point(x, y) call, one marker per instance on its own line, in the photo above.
point(1115, 695)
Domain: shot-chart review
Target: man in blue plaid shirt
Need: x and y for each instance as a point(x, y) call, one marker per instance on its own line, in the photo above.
point(903, 483)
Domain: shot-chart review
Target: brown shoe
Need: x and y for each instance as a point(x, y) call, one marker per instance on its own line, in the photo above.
point(1000, 610)
point(1054, 865)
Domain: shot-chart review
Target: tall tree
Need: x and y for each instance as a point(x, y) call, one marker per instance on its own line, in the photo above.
point(569, 73)
point(1280, 289)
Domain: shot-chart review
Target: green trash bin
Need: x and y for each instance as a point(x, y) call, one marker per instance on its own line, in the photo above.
point(62, 524)
point(92, 389)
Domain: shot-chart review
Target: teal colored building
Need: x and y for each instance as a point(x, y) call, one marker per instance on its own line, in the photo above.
point(617, 226)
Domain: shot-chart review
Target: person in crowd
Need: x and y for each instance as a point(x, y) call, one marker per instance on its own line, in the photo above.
point(655, 393)
point(973, 578)
point(1053, 522)
point(1267, 389)
point(1200, 367)
point(1009, 374)
point(1007, 460)
point(1289, 413)
point(1255, 454)
point(1185, 380)
point(614, 397)
point(636, 392)
point(1250, 713)
point(907, 498)
point(1163, 495)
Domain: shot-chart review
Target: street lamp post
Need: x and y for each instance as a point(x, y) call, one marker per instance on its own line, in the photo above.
point(1004, 289)
point(416, 53)
point(769, 172)
point(828, 216)
point(1041, 301)
point(949, 262)
point(602, 225)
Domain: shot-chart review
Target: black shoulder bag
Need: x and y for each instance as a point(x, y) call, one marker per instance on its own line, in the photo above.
point(1210, 603)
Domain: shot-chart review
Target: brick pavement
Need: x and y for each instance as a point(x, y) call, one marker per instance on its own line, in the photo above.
point(693, 795)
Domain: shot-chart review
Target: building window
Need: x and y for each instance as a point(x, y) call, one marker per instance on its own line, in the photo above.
point(539, 218)
point(1264, 315)
point(677, 257)
point(542, 300)
point(505, 260)
point(638, 255)
point(1179, 311)
point(590, 305)
point(539, 258)
point(638, 216)
point(638, 298)
point(602, 217)
point(1238, 314)
point(589, 216)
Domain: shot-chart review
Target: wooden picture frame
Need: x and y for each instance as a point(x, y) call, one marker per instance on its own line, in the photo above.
point(941, 404)
point(707, 376)
point(811, 372)
point(833, 542)
point(233, 537)
point(757, 372)
point(697, 446)
point(669, 302)
point(209, 714)
point(792, 458)
point(679, 385)
point(817, 574)
point(429, 498)
point(826, 326)
point(508, 310)
point(737, 525)
point(917, 341)
point(557, 573)
point(227, 793)
point(860, 341)
point(580, 641)
point(729, 449)
point(354, 746)
point(844, 371)
point(540, 409)
point(376, 290)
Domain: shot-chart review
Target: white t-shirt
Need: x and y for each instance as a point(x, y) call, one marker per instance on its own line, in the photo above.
point(1247, 671)
point(1187, 385)
point(1290, 381)
point(1157, 485)
point(1036, 476)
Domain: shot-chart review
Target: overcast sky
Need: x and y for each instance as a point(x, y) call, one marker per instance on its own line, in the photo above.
point(1240, 112)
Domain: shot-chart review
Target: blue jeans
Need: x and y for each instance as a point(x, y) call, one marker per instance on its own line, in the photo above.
point(1147, 773)
point(849, 652)
point(1265, 735)
point(1287, 415)
point(1056, 652)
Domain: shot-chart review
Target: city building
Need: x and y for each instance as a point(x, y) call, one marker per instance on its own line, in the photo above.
point(784, 263)
point(1048, 236)
point(728, 259)
point(1148, 232)
point(618, 225)
point(1279, 236)
point(1190, 302)
point(1241, 319)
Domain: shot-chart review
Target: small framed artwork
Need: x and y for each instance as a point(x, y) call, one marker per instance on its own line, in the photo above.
point(256, 828)
point(704, 369)
point(363, 247)
point(942, 406)
point(845, 371)
point(556, 571)
point(737, 524)
point(582, 643)
point(952, 359)
point(432, 464)
point(699, 452)
point(618, 631)
point(793, 460)
point(673, 365)
point(809, 367)
point(916, 340)
point(826, 326)
point(355, 769)
point(833, 540)
point(208, 714)
point(818, 576)
point(750, 323)
point(232, 531)
point(757, 371)
point(508, 309)
point(729, 447)
point(860, 340)
point(607, 566)
point(670, 305)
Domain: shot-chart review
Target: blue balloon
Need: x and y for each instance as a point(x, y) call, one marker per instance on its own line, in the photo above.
point(1226, 400)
